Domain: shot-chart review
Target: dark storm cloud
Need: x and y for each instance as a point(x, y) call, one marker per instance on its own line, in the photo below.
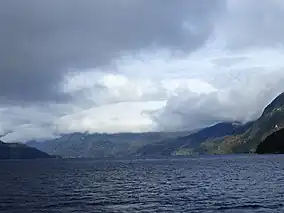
point(40, 40)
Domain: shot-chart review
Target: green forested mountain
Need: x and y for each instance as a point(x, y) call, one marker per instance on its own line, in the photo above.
point(224, 138)
point(190, 144)
point(271, 120)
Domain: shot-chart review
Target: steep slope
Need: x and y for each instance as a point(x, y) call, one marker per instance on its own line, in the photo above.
point(224, 138)
point(20, 151)
point(271, 120)
point(273, 144)
point(188, 145)
point(101, 145)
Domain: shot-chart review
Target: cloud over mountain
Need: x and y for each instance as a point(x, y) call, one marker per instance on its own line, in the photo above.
point(136, 65)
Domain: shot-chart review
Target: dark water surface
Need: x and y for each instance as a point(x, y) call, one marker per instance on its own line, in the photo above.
point(211, 184)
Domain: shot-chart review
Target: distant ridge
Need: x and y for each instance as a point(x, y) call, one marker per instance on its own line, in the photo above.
point(101, 145)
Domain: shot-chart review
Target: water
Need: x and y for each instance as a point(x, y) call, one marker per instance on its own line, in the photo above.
point(211, 184)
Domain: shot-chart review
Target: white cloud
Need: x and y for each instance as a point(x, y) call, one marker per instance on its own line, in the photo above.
point(199, 89)
point(23, 123)
point(118, 117)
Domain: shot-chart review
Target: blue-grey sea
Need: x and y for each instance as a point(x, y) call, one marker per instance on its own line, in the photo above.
point(239, 183)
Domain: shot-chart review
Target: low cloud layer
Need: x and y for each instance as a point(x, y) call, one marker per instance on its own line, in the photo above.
point(133, 66)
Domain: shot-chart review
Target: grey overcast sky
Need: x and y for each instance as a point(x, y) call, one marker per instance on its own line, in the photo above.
point(133, 65)
point(42, 40)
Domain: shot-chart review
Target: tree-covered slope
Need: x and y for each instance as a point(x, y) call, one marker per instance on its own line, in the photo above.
point(190, 144)
point(224, 138)
point(271, 120)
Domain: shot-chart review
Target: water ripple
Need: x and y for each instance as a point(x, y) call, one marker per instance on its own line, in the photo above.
point(212, 184)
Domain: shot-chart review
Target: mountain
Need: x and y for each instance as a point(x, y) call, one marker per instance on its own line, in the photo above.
point(221, 138)
point(224, 138)
point(20, 151)
point(101, 145)
point(271, 120)
point(273, 144)
point(188, 145)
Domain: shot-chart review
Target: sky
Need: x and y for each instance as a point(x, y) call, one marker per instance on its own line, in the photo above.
point(135, 66)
